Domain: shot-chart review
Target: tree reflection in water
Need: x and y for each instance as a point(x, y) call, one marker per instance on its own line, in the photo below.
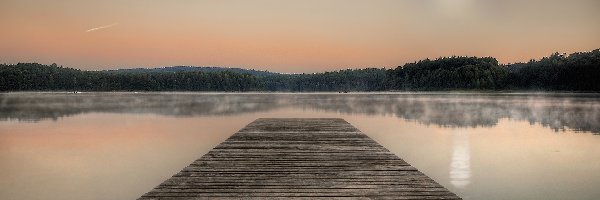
point(558, 111)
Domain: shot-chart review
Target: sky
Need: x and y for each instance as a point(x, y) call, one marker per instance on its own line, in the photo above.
point(295, 36)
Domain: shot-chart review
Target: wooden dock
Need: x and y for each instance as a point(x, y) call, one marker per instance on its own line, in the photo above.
point(304, 158)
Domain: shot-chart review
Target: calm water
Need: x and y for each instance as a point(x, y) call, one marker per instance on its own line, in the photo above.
point(121, 145)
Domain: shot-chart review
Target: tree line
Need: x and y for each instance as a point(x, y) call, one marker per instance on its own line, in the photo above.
point(574, 72)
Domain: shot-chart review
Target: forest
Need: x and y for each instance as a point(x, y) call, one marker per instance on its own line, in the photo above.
point(557, 72)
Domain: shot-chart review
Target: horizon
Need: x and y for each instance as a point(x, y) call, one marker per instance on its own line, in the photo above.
point(279, 72)
point(290, 36)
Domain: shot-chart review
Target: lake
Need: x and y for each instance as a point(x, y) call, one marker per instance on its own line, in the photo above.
point(121, 145)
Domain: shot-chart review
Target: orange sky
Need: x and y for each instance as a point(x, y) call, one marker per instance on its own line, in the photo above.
point(290, 35)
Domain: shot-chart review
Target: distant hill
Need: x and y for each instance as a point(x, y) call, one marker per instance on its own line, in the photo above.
point(192, 69)
point(557, 72)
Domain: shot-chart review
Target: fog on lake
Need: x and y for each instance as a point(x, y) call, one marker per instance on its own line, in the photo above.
point(119, 145)
point(578, 112)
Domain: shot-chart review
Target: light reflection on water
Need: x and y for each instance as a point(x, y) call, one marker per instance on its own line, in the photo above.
point(120, 145)
point(460, 168)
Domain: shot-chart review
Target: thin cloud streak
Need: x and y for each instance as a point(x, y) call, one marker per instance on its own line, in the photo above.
point(102, 27)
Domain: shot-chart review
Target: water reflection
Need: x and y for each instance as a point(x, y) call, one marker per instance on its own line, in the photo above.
point(578, 112)
point(82, 145)
point(460, 168)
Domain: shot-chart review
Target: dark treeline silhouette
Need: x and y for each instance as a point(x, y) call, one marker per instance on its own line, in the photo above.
point(449, 73)
point(191, 69)
point(577, 71)
point(33, 76)
point(574, 72)
point(370, 79)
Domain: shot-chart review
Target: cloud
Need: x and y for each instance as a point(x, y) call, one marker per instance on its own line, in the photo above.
point(102, 27)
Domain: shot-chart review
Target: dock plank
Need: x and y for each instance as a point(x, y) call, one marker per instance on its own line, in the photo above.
point(300, 158)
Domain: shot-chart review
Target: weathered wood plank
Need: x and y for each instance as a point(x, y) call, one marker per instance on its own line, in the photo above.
point(312, 158)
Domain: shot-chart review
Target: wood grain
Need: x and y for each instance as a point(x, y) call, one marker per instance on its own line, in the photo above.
point(300, 158)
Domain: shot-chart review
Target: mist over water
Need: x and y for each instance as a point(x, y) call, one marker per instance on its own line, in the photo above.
point(558, 111)
point(120, 145)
